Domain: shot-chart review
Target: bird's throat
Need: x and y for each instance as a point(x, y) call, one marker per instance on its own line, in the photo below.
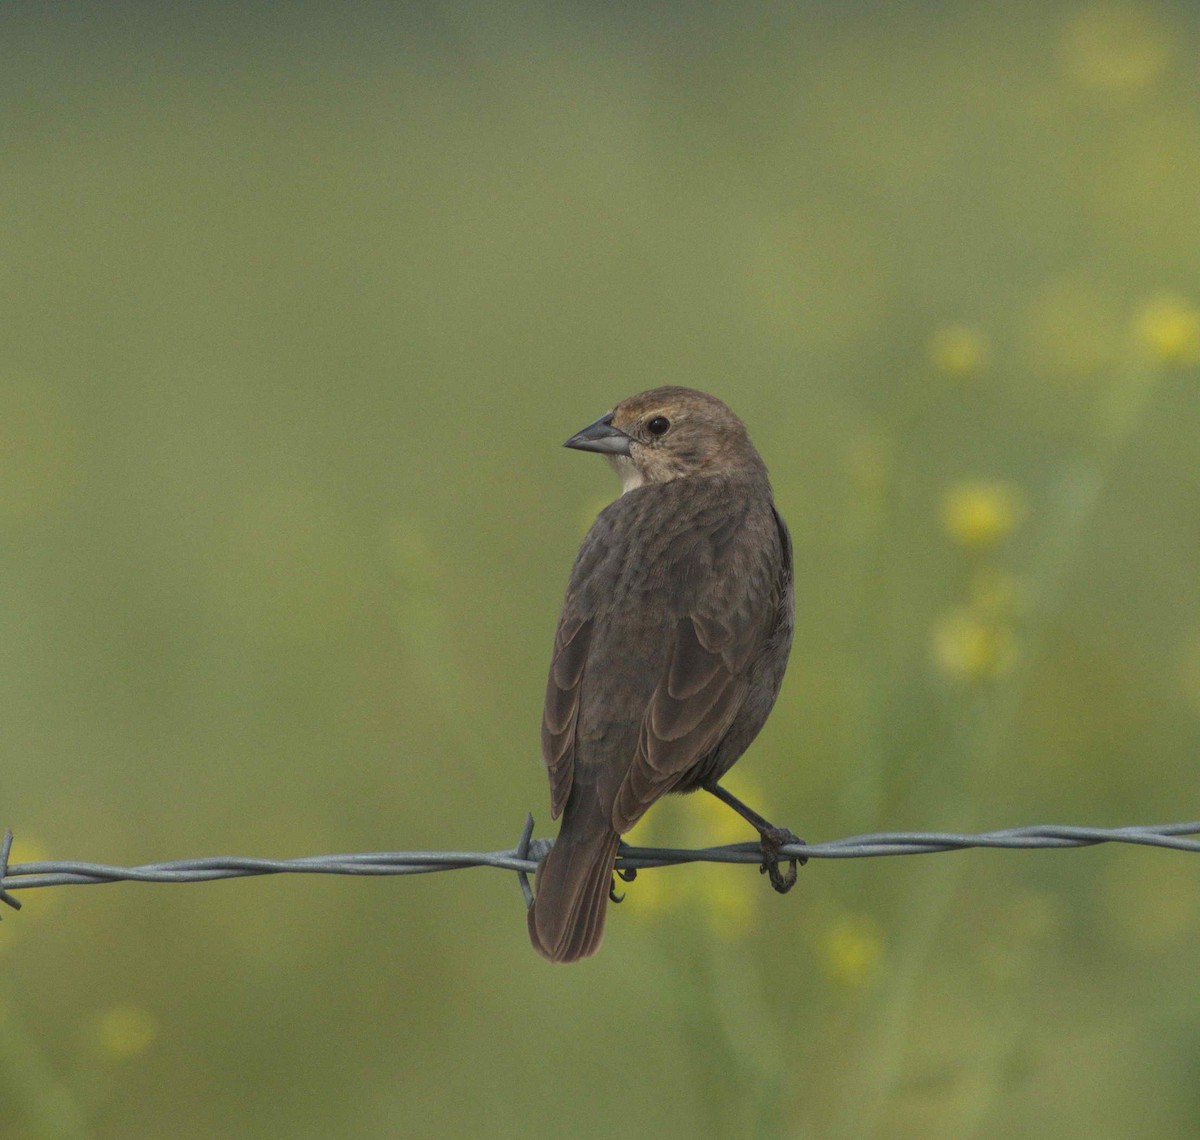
point(631, 478)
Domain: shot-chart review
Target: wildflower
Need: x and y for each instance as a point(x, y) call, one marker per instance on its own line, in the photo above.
point(852, 951)
point(124, 1031)
point(958, 350)
point(1168, 328)
point(969, 645)
point(1114, 49)
point(979, 516)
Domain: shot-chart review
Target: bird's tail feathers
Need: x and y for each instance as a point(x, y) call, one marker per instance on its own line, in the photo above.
point(566, 921)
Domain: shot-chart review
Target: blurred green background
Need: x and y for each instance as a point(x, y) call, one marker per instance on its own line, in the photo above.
point(299, 302)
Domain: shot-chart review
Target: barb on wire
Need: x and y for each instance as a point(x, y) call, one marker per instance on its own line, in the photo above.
point(5, 848)
point(524, 858)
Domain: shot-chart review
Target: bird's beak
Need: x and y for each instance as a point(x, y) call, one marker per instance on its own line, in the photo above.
point(601, 436)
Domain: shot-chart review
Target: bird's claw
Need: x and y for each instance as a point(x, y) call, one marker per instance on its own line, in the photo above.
point(772, 841)
point(626, 875)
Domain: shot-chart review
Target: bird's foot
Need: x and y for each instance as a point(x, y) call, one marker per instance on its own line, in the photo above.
point(773, 839)
point(626, 875)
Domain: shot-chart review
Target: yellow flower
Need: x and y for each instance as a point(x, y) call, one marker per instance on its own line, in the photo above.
point(852, 951)
point(1110, 48)
point(979, 516)
point(124, 1031)
point(971, 646)
point(1168, 327)
point(958, 350)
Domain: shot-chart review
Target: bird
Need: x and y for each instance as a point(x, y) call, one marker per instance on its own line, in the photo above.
point(670, 650)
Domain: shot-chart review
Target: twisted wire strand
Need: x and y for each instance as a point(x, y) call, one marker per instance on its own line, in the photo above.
point(524, 858)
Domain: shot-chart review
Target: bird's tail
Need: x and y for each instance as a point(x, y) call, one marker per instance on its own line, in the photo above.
point(566, 921)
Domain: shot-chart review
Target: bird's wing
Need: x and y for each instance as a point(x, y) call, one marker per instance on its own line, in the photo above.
point(704, 683)
point(561, 710)
point(697, 697)
point(785, 543)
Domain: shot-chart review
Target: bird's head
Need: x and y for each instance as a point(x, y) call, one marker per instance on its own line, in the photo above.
point(670, 433)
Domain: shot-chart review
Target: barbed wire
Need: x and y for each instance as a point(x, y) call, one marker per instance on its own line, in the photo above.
point(525, 856)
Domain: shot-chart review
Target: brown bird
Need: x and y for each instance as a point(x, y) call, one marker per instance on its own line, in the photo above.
point(670, 650)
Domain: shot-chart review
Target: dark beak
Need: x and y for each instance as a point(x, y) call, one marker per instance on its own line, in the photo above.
point(601, 436)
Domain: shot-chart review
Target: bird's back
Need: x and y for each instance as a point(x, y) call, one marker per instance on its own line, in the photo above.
point(708, 548)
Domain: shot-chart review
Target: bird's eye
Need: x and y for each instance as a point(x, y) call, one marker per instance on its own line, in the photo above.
point(658, 426)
